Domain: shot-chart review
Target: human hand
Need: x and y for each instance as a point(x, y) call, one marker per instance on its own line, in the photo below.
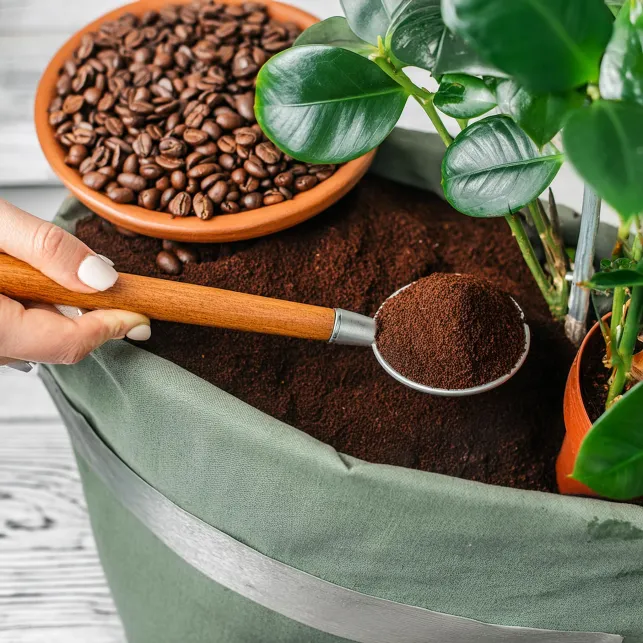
point(37, 332)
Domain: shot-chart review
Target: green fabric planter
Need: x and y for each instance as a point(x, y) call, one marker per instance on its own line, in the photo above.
point(497, 555)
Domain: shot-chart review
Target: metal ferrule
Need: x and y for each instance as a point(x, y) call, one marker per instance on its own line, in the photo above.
point(352, 329)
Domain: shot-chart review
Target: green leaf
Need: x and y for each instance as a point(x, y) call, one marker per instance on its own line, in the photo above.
point(604, 142)
point(622, 66)
point(541, 116)
point(462, 96)
point(614, 5)
point(336, 33)
point(369, 18)
point(455, 56)
point(610, 460)
point(616, 279)
point(493, 168)
point(547, 45)
point(415, 33)
point(324, 104)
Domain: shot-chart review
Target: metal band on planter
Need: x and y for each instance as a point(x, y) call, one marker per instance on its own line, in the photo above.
point(288, 591)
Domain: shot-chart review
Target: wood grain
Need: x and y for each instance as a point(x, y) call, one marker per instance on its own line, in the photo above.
point(178, 302)
point(52, 588)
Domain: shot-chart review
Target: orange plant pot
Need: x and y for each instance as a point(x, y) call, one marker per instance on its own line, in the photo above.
point(577, 425)
point(221, 228)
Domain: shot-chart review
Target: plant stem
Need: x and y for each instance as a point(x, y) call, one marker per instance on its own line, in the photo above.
point(422, 96)
point(531, 260)
point(621, 246)
point(554, 254)
point(618, 310)
point(429, 108)
point(627, 345)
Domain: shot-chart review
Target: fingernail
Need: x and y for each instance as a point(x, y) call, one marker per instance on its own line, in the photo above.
point(97, 273)
point(106, 259)
point(71, 312)
point(140, 333)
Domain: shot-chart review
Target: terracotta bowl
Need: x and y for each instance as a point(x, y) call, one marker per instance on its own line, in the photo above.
point(229, 227)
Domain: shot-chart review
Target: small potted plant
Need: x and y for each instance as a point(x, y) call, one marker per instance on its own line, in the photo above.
point(340, 91)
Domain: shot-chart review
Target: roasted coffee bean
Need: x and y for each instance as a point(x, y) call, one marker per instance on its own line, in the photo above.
point(230, 207)
point(268, 153)
point(194, 136)
point(256, 168)
point(203, 170)
point(121, 195)
point(166, 197)
point(229, 120)
point(150, 199)
point(186, 254)
point(284, 180)
point(172, 147)
point(131, 164)
point(132, 181)
point(272, 197)
point(163, 183)
point(143, 144)
point(148, 99)
point(178, 180)
point(180, 205)
point(305, 183)
point(76, 155)
point(218, 191)
point(203, 206)
point(169, 263)
point(151, 171)
point(227, 161)
point(252, 201)
point(95, 180)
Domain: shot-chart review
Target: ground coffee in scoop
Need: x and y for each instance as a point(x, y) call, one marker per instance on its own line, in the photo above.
point(451, 331)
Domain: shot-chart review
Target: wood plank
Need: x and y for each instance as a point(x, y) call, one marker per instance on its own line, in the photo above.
point(52, 588)
point(24, 398)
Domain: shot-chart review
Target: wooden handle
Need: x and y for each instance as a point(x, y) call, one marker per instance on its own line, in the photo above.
point(176, 302)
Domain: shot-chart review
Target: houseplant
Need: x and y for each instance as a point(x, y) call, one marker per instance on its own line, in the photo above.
point(549, 67)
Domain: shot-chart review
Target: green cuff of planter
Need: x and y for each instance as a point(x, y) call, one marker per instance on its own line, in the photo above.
point(496, 555)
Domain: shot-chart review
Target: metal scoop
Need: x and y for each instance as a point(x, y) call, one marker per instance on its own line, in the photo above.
point(190, 304)
point(359, 330)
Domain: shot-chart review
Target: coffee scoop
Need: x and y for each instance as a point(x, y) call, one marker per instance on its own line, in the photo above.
point(173, 301)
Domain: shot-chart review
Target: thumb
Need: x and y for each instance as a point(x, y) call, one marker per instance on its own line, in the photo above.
point(56, 253)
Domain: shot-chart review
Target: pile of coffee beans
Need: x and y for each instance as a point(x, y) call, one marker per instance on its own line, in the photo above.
point(157, 110)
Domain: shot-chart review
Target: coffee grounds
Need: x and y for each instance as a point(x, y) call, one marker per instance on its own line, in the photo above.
point(382, 236)
point(451, 332)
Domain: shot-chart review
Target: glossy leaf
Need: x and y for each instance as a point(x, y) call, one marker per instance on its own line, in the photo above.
point(454, 55)
point(370, 18)
point(604, 142)
point(610, 460)
point(541, 116)
point(335, 32)
point(462, 96)
point(546, 45)
point(493, 168)
point(614, 5)
point(616, 279)
point(324, 104)
point(622, 66)
point(415, 33)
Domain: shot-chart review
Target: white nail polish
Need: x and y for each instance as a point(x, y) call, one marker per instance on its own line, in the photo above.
point(106, 259)
point(140, 333)
point(97, 273)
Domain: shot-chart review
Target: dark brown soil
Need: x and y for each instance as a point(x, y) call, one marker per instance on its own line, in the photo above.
point(594, 377)
point(451, 331)
point(378, 239)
